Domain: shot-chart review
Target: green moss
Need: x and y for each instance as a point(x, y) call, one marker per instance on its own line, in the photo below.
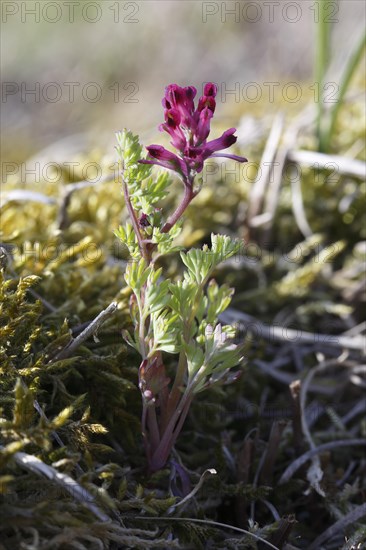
point(56, 281)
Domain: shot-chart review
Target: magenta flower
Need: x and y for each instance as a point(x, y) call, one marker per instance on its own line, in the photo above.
point(189, 128)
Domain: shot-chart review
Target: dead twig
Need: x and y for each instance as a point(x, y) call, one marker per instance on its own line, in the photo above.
point(92, 328)
point(282, 533)
point(295, 389)
point(275, 435)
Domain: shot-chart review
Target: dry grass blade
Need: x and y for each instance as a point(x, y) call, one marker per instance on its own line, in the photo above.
point(298, 205)
point(195, 490)
point(217, 525)
point(296, 464)
point(315, 472)
point(62, 221)
point(259, 188)
point(35, 465)
point(243, 469)
point(285, 334)
point(288, 378)
point(290, 136)
point(349, 519)
point(20, 195)
point(343, 165)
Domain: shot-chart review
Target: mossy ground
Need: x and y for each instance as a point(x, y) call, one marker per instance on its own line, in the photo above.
point(57, 277)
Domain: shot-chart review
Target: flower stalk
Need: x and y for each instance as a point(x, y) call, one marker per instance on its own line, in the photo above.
point(174, 318)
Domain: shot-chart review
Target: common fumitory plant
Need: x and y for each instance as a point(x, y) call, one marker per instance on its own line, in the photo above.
point(178, 317)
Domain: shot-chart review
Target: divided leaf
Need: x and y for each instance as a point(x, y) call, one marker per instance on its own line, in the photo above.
point(201, 263)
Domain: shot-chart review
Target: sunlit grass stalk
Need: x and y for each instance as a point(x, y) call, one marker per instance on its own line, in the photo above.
point(348, 73)
point(322, 56)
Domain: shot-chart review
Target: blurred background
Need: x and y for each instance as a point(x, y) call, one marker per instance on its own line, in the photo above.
point(74, 73)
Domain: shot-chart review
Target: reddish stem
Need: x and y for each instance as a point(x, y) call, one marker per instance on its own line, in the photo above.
point(159, 445)
point(189, 194)
point(161, 454)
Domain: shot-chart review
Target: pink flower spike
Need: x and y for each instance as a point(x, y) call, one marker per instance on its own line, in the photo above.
point(162, 157)
point(210, 89)
point(226, 140)
point(203, 126)
point(189, 129)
